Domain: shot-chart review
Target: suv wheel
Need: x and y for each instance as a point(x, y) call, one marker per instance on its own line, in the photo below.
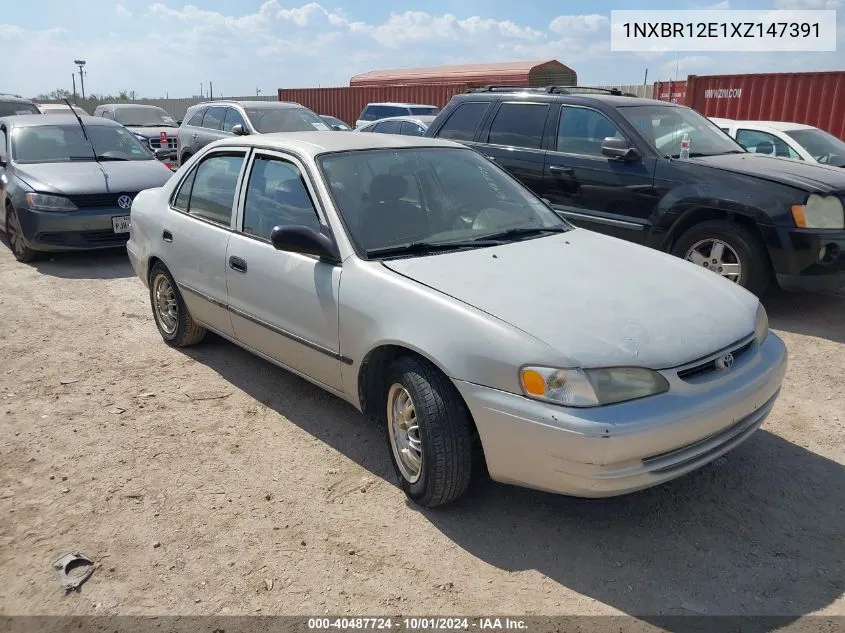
point(429, 433)
point(727, 249)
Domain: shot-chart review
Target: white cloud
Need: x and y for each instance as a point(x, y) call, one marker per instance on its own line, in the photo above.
point(122, 11)
point(685, 65)
point(573, 24)
point(807, 4)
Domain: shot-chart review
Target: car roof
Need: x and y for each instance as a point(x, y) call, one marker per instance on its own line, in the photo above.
point(779, 125)
point(10, 98)
point(570, 97)
point(37, 120)
point(128, 105)
point(401, 105)
point(320, 142)
point(425, 119)
point(249, 104)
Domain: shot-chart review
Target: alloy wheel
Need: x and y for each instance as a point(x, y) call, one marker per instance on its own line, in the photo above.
point(404, 431)
point(718, 257)
point(164, 300)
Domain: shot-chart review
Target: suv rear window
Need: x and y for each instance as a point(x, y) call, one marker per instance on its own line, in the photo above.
point(463, 122)
point(519, 125)
point(11, 108)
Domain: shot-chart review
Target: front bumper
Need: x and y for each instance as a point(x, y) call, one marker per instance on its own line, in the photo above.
point(82, 230)
point(815, 260)
point(616, 449)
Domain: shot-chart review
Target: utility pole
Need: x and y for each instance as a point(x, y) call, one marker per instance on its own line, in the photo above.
point(210, 91)
point(81, 64)
point(73, 79)
point(257, 92)
point(645, 79)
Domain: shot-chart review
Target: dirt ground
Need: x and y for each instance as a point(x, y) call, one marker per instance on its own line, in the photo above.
point(207, 481)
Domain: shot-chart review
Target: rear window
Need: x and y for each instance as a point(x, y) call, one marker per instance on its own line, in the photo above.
point(11, 108)
point(463, 122)
point(268, 120)
point(425, 110)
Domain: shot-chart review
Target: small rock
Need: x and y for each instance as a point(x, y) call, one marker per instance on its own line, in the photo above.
point(117, 410)
point(65, 490)
point(351, 552)
point(267, 497)
point(111, 569)
point(64, 478)
point(52, 477)
point(156, 545)
point(302, 543)
point(197, 601)
point(268, 583)
point(332, 471)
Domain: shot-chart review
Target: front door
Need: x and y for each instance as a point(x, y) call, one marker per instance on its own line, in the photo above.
point(284, 305)
point(607, 195)
point(197, 232)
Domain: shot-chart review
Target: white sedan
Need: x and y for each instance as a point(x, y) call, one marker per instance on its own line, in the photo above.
point(786, 140)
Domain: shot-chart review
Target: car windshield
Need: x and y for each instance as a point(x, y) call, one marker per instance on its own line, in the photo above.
point(431, 199)
point(143, 117)
point(66, 143)
point(664, 127)
point(822, 146)
point(427, 110)
point(11, 108)
point(268, 120)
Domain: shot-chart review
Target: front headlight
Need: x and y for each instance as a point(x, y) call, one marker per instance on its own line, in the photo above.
point(819, 212)
point(590, 387)
point(47, 202)
point(761, 325)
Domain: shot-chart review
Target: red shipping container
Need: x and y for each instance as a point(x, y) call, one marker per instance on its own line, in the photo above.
point(347, 103)
point(674, 91)
point(816, 98)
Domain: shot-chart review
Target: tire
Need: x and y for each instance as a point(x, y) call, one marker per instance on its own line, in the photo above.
point(178, 328)
point(755, 269)
point(16, 238)
point(444, 432)
point(185, 158)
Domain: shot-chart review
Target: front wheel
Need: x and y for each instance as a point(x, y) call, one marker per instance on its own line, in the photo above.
point(729, 250)
point(429, 433)
point(17, 241)
point(174, 322)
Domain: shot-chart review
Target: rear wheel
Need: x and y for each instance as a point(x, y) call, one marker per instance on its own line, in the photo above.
point(172, 318)
point(17, 241)
point(184, 158)
point(429, 433)
point(729, 250)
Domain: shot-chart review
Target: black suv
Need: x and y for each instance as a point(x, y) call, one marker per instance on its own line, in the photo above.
point(613, 163)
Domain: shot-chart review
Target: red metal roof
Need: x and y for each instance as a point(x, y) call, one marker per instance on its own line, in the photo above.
point(542, 72)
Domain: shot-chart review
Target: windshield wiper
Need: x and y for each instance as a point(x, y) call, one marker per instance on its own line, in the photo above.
point(524, 231)
point(105, 158)
point(703, 154)
point(422, 247)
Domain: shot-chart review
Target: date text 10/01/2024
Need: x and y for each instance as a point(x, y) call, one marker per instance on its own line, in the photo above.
point(417, 624)
point(705, 30)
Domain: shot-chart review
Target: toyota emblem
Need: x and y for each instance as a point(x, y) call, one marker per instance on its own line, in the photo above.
point(124, 202)
point(725, 362)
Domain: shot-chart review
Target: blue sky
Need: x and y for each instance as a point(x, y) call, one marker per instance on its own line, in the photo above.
point(171, 47)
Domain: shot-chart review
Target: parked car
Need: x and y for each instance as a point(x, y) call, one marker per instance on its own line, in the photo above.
point(376, 111)
point(67, 189)
point(151, 125)
point(15, 104)
point(576, 363)
point(334, 123)
point(59, 108)
point(613, 164)
point(405, 125)
point(214, 120)
point(786, 140)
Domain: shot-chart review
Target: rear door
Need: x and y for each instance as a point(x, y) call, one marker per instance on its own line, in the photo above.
point(189, 133)
point(409, 128)
point(387, 127)
point(196, 233)
point(594, 191)
point(462, 123)
point(514, 140)
point(284, 305)
point(212, 126)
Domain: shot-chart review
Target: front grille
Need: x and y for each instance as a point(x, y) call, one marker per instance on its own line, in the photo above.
point(710, 365)
point(56, 239)
point(104, 237)
point(99, 200)
point(155, 143)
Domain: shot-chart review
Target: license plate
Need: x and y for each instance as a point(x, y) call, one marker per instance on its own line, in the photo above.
point(120, 224)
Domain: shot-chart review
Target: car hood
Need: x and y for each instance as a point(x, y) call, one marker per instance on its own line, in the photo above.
point(153, 132)
point(597, 300)
point(91, 177)
point(802, 175)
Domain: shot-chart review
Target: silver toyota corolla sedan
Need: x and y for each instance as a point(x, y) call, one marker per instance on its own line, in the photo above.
point(420, 282)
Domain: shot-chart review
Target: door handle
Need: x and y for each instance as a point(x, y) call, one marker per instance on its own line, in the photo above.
point(236, 263)
point(559, 169)
point(195, 136)
point(167, 236)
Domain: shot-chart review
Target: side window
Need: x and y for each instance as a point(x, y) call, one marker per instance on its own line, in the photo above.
point(233, 118)
point(180, 201)
point(213, 191)
point(764, 143)
point(582, 131)
point(213, 119)
point(106, 114)
point(369, 114)
point(389, 127)
point(276, 195)
point(519, 125)
point(4, 150)
point(196, 118)
point(411, 129)
point(463, 122)
point(396, 111)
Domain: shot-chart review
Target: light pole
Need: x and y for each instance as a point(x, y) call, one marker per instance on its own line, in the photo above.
point(81, 64)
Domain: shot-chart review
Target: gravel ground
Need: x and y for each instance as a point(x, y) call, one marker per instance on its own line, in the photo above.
point(207, 481)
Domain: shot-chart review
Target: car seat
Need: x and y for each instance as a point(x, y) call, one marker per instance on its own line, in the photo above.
point(387, 219)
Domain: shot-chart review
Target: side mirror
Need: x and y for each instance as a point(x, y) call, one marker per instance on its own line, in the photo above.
point(163, 153)
point(239, 130)
point(179, 122)
point(304, 240)
point(615, 147)
point(3, 160)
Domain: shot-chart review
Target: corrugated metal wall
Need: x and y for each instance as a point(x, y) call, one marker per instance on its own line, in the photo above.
point(346, 103)
point(813, 98)
point(674, 91)
point(643, 91)
point(175, 107)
